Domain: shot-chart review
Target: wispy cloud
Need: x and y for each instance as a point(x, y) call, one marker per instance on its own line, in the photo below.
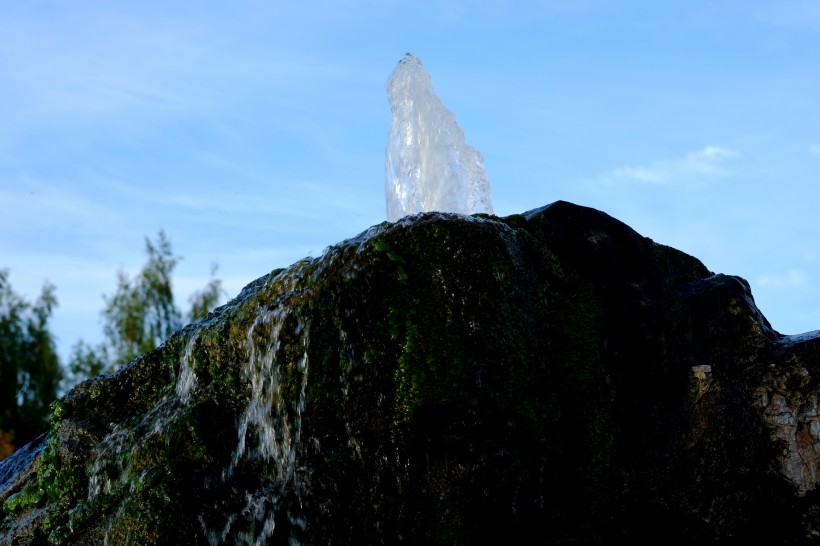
point(814, 150)
point(81, 77)
point(127, 71)
point(791, 279)
point(36, 206)
point(790, 13)
point(285, 198)
point(706, 163)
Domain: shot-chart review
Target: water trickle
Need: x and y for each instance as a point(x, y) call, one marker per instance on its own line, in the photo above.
point(113, 471)
point(428, 166)
point(269, 430)
point(263, 471)
point(186, 381)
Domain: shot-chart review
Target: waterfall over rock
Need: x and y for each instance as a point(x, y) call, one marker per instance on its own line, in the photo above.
point(545, 378)
point(429, 166)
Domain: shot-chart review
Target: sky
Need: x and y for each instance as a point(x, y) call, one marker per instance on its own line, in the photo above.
point(253, 133)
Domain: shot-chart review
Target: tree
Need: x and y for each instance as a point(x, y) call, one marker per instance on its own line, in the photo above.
point(30, 370)
point(137, 318)
point(6, 443)
point(141, 314)
point(86, 362)
point(203, 301)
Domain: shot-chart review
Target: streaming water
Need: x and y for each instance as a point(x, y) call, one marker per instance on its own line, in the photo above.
point(186, 381)
point(269, 428)
point(113, 468)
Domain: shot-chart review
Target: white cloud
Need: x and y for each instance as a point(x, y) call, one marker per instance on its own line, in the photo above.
point(792, 279)
point(814, 150)
point(715, 152)
point(706, 163)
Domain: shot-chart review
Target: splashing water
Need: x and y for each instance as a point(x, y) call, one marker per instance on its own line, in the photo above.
point(428, 165)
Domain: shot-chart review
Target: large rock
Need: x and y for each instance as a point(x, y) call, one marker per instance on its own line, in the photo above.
point(545, 378)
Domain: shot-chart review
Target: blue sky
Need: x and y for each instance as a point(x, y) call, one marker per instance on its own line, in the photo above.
point(254, 132)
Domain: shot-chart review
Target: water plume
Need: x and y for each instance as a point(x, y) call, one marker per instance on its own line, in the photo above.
point(428, 166)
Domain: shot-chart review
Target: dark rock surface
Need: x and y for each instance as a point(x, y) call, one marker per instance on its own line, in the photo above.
point(546, 378)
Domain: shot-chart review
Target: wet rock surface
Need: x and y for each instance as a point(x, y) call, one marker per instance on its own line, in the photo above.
point(545, 378)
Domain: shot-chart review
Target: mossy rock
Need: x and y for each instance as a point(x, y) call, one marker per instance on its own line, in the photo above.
point(551, 377)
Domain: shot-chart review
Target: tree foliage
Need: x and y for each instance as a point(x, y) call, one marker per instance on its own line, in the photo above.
point(30, 370)
point(86, 361)
point(6, 443)
point(141, 314)
point(203, 301)
point(138, 317)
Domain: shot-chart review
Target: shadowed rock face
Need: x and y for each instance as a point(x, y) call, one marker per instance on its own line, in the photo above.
point(545, 378)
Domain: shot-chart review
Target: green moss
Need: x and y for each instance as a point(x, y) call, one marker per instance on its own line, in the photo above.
point(57, 412)
point(28, 498)
point(57, 480)
point(515, 221)
point(379, 245)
